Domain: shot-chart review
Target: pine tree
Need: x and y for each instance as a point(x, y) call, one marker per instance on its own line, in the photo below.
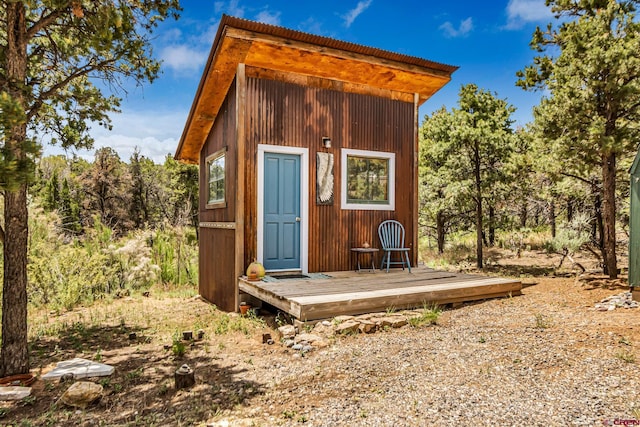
point(591, 71)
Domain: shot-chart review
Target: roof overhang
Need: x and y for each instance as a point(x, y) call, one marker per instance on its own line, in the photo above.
point(276, 48)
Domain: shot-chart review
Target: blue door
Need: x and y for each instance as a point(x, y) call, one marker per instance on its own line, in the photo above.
point(281, 211)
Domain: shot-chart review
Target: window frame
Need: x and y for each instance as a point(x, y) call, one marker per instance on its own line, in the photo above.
point(222, 203)
point(390, 157)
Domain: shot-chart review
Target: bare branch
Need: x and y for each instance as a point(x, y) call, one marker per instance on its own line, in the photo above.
point(579, 178)
point(44, 22)
point(53, 90)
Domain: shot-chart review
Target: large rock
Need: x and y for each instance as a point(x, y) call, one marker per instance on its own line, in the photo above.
point(310, 338)
point(391, 321)
point(348, 327)
point(287, 332)
point(82, 394)
point(367, 327)
point(315, 341)
point(14, 392)
point(79, 368)
point(326, 329)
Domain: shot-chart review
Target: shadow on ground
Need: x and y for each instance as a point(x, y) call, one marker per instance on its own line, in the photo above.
point(142, 390)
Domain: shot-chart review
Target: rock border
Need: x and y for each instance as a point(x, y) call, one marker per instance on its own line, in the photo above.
point(305, 337)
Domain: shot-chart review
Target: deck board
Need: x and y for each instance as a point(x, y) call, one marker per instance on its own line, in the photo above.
point(357, 293)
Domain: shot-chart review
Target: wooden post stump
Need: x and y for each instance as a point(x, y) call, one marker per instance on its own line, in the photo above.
point(184, 377)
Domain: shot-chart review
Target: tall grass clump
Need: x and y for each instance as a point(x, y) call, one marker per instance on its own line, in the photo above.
point(175, 251)
point(64, 272)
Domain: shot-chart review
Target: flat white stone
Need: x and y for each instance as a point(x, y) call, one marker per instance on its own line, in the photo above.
point(14, 392)
point(80, 368)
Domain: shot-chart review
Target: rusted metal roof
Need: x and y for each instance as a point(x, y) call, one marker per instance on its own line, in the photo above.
point(280, 49)
point(287, 33)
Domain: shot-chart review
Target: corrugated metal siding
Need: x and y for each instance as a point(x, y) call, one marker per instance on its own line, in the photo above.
point(223, 133)
point(217, 246)
point(280, 113)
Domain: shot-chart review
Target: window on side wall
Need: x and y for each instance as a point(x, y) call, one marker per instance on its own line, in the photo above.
point(215, 164)
point(368, 180)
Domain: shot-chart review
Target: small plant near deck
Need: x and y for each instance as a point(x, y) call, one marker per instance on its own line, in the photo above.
point(287, 414)
point(543, 321)
point(429, 316)
point(624, 340)
point(178, 348)
point(626, 356)
point(390, 310)
point(226, 323)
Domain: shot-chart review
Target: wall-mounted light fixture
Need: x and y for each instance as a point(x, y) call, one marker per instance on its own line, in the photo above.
point(326, 142)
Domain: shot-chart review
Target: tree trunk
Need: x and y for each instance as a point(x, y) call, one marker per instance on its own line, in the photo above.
point(570, 209)
point(478, 196)
point(523, 215)
point(598, 228)
point(492, 226)
point(440, 230)
point(14, 355)
point(14, 358)
point(552, 218)
point(609, 213)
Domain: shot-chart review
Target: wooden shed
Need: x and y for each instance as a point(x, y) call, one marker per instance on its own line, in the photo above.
point(305, 145)
point(634, 228)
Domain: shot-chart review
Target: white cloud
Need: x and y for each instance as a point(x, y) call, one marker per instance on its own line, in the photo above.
point(267, 17)
point(351, 16)
point(155, 135)
point(465, 27)
point(520, 12)
point(311, 26)
point(182, 58)
point(231, 8)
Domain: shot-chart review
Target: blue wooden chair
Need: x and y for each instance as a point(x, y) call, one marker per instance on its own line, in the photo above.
point(391, 234)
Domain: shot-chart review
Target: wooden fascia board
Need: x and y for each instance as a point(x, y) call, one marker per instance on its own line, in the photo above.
point(214, 86)
point(323, 66)
point(312, 48)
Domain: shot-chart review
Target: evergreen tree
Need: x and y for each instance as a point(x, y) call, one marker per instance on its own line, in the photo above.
point(52, 193)
point(469, 146)
point(69, 211)
point(591, 71)
point(51, 55)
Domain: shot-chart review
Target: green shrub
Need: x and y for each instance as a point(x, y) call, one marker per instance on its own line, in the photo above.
point(175, 251)
point(64, 271)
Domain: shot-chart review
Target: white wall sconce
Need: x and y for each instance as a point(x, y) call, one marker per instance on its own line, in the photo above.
point(326, 142)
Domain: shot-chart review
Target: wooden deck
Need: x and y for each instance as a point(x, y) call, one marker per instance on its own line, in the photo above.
point(348, 292)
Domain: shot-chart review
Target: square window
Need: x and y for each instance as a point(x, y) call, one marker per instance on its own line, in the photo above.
point(368, 180)
point(216, 179)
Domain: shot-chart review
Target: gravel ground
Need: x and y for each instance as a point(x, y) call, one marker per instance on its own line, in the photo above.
point(543, 358)
point(546, 358)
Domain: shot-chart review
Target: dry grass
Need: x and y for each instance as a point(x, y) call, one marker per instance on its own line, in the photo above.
point(141, 391)
point(361, 379)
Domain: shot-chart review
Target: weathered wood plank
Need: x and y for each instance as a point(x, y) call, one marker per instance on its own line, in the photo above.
point(318, 311)
point(351, 293)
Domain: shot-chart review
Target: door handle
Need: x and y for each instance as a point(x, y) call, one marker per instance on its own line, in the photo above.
point(298, 219)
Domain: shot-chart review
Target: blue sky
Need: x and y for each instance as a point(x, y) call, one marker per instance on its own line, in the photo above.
point(488, 40)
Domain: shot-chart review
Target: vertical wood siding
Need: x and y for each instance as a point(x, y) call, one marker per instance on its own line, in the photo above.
point(282, 113)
